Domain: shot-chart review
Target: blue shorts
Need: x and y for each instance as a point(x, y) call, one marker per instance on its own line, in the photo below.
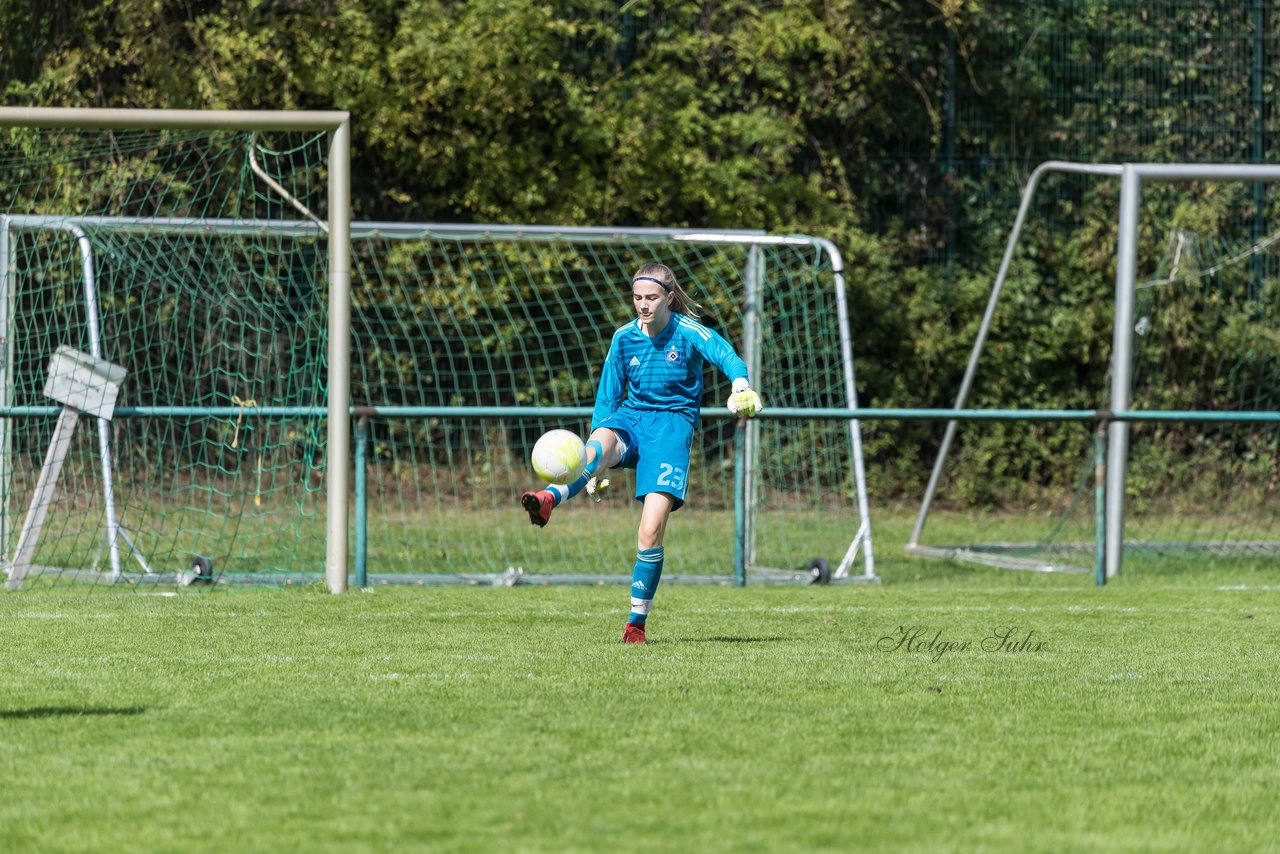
point(658, 447)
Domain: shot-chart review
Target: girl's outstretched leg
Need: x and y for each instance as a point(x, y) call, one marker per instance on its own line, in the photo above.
point(604, 450)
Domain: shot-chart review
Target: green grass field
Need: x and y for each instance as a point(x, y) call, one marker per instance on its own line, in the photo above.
point(1021, 712)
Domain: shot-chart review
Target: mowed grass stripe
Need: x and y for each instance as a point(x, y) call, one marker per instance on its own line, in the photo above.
point(759, 719)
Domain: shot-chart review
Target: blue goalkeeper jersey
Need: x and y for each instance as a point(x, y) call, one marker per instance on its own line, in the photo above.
point(662, 374)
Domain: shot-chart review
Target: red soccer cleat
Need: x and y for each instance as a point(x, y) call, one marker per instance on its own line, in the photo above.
point(539, 504)
point(633, 634)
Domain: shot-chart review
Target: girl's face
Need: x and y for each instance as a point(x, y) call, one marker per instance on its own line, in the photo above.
point(652, 304)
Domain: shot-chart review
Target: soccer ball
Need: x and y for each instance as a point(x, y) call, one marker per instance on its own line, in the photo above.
point(559, 456)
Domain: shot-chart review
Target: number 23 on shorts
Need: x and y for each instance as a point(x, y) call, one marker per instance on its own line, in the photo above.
point(669, 475)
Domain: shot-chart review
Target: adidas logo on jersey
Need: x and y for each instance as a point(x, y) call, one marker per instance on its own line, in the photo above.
point(634, 362)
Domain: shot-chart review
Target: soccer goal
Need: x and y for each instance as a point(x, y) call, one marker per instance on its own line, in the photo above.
point(156, 240)
point(198, 256)
point(471, 341)
point(1187, 392)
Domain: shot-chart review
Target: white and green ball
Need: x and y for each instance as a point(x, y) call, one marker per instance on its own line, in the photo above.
point(559, 456)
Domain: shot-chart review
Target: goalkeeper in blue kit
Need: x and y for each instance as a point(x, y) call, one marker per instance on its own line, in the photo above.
point(647, 406)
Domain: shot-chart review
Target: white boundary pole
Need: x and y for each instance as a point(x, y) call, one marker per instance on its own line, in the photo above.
point(855, 430)
point(753, 277)
point(339, 451)
point(6, 385)
point(1121, 367)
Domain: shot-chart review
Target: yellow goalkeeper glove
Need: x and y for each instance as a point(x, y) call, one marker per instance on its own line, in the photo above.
point(744, 402)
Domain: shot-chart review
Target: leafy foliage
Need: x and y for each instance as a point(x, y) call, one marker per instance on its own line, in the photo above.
point(902, 130)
